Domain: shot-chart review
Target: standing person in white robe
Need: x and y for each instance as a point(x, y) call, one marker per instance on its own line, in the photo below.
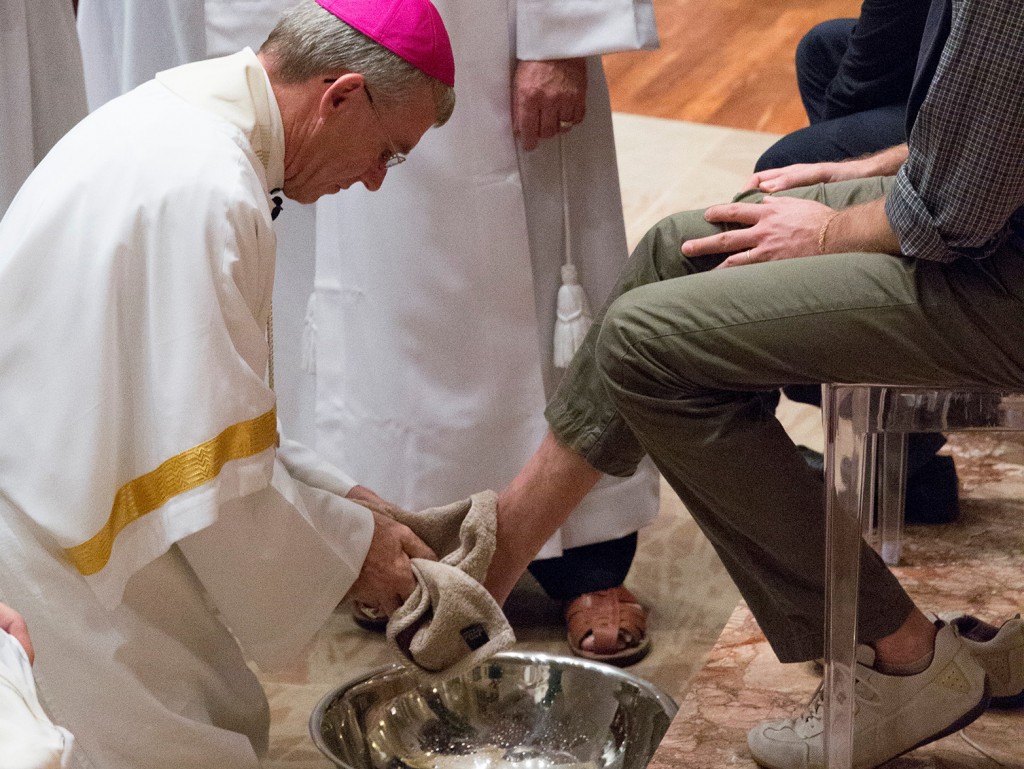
point(153, 531)
point(42, 92)
point(125, 42)
point(433, 365)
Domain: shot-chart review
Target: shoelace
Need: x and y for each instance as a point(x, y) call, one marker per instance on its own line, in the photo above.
point(815, 710)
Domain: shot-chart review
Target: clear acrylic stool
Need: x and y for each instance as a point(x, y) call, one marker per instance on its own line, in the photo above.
point(865, 450)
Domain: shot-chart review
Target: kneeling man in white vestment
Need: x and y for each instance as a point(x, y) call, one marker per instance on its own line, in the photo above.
point(156, 531)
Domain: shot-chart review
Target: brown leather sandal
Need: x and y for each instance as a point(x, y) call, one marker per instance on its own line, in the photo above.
point(612, 617)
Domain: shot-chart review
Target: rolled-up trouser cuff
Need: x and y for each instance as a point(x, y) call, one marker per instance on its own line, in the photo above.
point(602, 444)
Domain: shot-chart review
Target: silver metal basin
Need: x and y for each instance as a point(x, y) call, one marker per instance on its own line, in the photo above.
point(515, 711)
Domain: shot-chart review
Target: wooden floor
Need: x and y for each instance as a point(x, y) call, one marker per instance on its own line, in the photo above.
point(722, 62)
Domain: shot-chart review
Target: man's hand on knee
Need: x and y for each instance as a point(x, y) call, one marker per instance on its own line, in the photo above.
point(775, 228)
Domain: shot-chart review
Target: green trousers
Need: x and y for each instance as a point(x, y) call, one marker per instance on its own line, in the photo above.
point(683, 362)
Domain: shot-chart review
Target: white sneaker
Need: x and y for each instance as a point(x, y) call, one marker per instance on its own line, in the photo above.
point(1001, 652)
point(893, 714)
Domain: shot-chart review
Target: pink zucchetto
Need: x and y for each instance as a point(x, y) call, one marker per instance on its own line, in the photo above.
point(411, 29)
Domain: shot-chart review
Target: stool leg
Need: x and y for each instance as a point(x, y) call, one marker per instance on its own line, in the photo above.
point(846, 494)
point(869, 526)
point(891, 471)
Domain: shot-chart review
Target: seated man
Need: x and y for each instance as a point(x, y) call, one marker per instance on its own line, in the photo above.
point(855, 77)
point(914, 279)
point(153, 526)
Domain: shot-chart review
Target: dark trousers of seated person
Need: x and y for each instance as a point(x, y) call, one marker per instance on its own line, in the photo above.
point(854, 77)
point(682, 363)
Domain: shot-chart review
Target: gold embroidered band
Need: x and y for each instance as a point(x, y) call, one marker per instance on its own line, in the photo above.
point(188, 470)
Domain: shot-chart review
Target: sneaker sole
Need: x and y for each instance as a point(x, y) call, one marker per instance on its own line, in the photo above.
point(1008, 702)
point(967, 718)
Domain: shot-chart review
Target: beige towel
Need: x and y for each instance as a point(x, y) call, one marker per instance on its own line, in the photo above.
point(450, 623)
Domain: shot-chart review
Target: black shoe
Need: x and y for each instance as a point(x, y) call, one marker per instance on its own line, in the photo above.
point(933, 493)
point(933, 489)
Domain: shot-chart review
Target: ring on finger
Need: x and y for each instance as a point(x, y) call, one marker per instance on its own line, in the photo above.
point(565, 125)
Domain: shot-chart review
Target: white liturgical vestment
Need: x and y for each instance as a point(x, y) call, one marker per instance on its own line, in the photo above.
point(124, 44)
point(136, 270)
point(435, 297)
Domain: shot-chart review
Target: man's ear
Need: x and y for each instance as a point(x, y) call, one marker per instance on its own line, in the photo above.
point(341, 93)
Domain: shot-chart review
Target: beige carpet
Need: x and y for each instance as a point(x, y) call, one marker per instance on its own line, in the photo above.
point(665, 166)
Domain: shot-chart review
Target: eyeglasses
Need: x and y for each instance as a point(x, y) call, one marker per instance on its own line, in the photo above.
point(394, 157)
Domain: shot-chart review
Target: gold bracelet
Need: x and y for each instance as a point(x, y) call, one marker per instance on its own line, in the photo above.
point(824, 230)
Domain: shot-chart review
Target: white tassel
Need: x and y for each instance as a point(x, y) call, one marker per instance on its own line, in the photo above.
point(573, 319)
point(309, 337)
point(573, 311)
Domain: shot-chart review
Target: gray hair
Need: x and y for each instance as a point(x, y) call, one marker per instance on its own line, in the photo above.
point(309, 41)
